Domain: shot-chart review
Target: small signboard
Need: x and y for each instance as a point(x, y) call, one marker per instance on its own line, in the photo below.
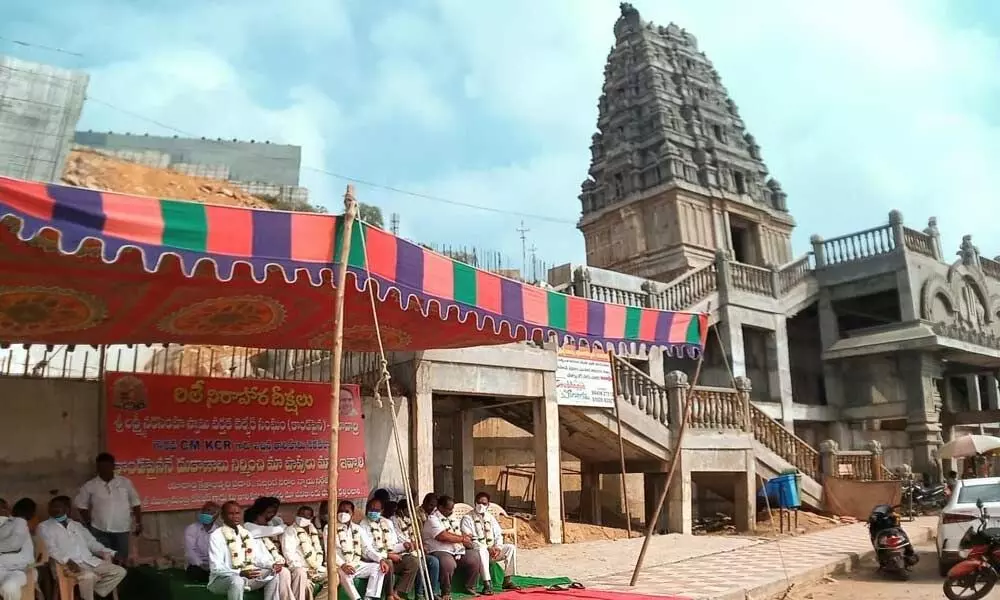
point(583, 378)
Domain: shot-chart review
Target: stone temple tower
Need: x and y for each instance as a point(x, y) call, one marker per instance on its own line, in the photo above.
point(674, 175)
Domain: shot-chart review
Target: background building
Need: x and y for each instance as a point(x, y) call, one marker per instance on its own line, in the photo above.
point(39, 108)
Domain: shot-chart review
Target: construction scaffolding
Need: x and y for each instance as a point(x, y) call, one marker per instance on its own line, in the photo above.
point(39, 109)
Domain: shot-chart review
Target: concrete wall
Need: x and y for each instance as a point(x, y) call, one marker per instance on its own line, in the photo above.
point(896, 449)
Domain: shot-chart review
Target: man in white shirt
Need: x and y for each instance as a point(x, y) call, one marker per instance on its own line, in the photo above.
point(236, 564)
point(408, 531)
point(487, 540)
point(444, 539)
point(352, 547)
point(380, 535)
point(17, 552)
point(71, 545)
point(196, 542)
point(107, 504)
point(303, 547)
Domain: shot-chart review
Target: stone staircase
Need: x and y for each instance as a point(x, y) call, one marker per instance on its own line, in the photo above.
point(720, 411)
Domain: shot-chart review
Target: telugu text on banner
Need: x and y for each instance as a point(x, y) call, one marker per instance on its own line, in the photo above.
point(583, 378)
point(186, 440)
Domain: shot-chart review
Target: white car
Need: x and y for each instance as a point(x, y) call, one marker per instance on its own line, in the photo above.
point(960, 513)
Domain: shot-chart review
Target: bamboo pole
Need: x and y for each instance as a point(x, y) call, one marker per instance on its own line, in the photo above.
point(674, 461)
point(621, 440)
point(350, 210)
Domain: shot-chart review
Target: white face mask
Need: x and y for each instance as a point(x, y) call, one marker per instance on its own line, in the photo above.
point(481, 509)
point(344, 518)
point(303, 522)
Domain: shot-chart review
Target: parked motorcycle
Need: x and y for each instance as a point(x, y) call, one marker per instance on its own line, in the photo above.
point(893, 549)
point(919, 500)
point(976, 574)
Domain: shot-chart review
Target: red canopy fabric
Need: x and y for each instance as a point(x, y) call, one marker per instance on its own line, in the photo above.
point(80, 266)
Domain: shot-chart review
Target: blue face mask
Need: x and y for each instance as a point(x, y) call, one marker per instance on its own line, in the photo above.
point(205, 518)
point(374, 516)
point(61, 518)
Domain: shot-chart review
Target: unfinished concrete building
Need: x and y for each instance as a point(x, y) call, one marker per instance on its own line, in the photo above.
point(853, 358)
point(39, 108)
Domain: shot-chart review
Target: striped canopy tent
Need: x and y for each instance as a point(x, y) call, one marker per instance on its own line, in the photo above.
point(80, 266)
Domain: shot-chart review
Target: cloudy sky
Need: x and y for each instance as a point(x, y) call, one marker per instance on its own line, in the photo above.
point(859, 106)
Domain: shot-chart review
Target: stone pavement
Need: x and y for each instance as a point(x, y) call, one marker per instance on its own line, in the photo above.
point(759, 569)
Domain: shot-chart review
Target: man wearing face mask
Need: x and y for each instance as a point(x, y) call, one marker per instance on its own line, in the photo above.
point(444, 539)
point(71, 545)
point(487, 540)
point(17, 552)
point(389, 551)
point(303, 548)
point(352, 547)
point(408, 531)
point(196, 542)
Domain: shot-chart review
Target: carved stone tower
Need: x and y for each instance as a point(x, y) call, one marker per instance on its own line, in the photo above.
point(674, 175)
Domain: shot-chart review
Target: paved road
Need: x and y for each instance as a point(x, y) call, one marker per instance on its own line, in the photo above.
point(866, 584)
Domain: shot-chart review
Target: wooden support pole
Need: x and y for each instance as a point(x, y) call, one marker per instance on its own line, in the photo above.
point(621, 440)
point(674, 461)
point(350, 210)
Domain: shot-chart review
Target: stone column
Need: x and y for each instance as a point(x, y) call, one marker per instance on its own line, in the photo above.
point(920, 371)
point(463, 455)
point(828, 458)
point(992, 395)
point(590, 494)
point(975, 394)
point(548, 466)
point(422, 432)
point(655, 365)
point(678, 505)
point(833, 383)
point(677, 388)
point(876, 459)
point(781, 373)
point(745, 496)
point(723, 275)
point(819, 253)
point(744, 387)
point(731, 332)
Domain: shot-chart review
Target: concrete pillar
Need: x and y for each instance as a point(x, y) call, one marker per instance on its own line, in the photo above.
point(655, 365)
point(731, 332)
point(548, 466)
point(745, 497)
point(975, 394)
point(590, 494)
point(828, 458)
point(679, 509)
point(422, 432)
point(992, 395)
point(833, 384)
point(652, 487)
point(780, 370)
point(463, 458)
point(920, 370)
point(677, 387)
point(876, 459)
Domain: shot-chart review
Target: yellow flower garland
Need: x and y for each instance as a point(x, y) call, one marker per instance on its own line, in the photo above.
point(240, 546)
point(349, 542)
point(483, 529)
point(311, 545)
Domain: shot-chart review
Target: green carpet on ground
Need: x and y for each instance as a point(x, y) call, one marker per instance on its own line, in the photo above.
point(145, 583)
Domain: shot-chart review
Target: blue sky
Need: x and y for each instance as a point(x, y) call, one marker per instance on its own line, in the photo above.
point(860, 107)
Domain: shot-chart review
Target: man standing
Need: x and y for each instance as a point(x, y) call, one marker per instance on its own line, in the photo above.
point(72, 546)
point(487, 540)
point(351, 548)
point(444, 539)
point(196, 542)
point(392, 554)
point(236, 565)
point(108, 503)
point(17, 553)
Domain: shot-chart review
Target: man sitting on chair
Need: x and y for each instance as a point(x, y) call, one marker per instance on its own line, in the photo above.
point(487, 539)
point(392, 553)
point(71, 545)
point(236, 563)
point(17, 553)
point(196, 542)
point(351, 548)
point(303, 548)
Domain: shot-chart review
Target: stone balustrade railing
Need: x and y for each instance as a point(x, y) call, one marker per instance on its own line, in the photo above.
point(756, 280)
point(793, 273)
point(919, 242)
point(638, 389)
point(784, 443)
point(688, 289)
point(862, 465)
point(719, 408)
point(858, 246)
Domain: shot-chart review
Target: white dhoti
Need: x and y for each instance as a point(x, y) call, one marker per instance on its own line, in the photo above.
point(100, 580)
point(300, 586)
point(506, 558)
point(232, 586)
point(365, 570)
point(11, 584)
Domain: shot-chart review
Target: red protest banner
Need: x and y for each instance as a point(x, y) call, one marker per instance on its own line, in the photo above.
point(186, 440)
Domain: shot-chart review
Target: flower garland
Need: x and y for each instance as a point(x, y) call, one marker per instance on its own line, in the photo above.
point(240, 546)
point(349, 542)
point(312, 547)
point(404, 526)
point(452, 527)
point(273, 550)
point(484, 530)
point(380, 536)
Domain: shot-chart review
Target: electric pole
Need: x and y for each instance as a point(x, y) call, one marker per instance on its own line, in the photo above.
point(524, 248)
point(394, 223)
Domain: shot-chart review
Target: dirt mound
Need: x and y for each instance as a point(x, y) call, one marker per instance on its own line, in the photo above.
point(91, 169)
point(529, 532)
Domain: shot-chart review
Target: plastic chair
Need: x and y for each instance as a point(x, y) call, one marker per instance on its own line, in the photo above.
point(66, 582)
point(497, 511)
